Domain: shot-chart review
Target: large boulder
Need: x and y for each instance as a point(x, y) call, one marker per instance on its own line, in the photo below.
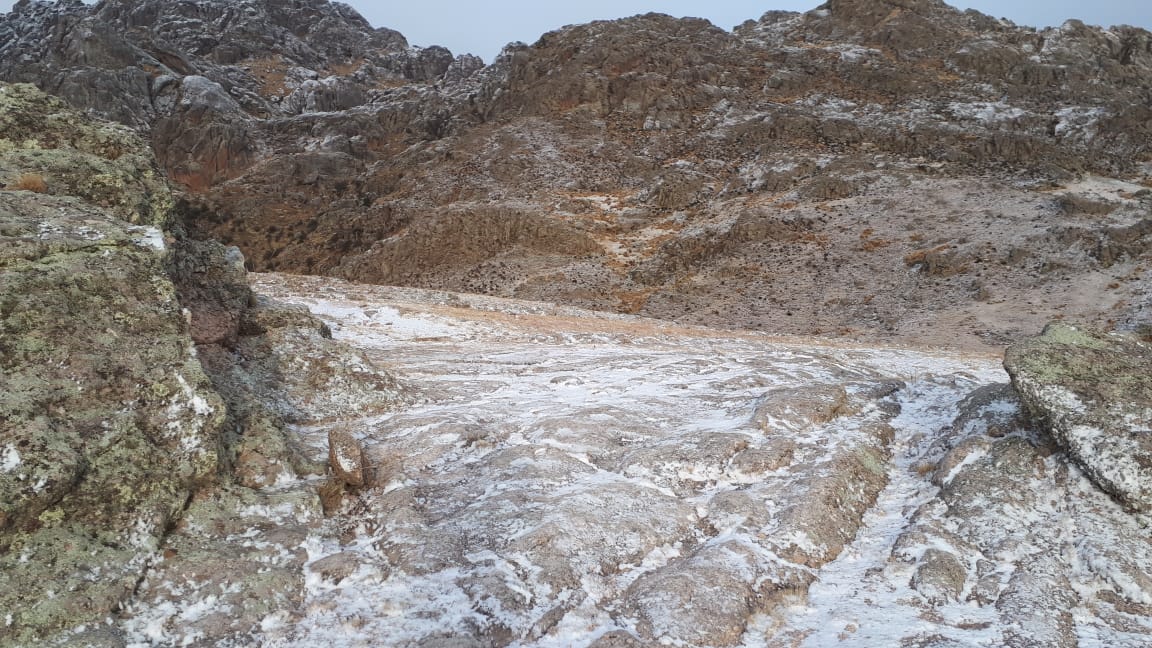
point(1093, 392)
point(107, 420)
point(108, 423)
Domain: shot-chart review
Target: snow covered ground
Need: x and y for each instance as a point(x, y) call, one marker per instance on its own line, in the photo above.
point(567, 478)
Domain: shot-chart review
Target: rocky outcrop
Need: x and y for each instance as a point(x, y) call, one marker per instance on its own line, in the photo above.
point(139, 372)
point(1093, 392)
point(108, 423)
point(1016, 535)
point(68, 154)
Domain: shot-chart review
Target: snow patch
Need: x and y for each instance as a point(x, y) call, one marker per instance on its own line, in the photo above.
point(9, 459)
point(149, 237)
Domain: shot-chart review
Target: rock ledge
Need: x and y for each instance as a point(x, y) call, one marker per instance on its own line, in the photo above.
point(1094, 393)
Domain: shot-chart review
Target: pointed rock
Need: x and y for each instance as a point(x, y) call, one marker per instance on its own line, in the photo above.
point(346, 457)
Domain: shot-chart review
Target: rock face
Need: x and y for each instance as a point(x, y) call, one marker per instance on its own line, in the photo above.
point(104, 164)
point(1094, 393)
point(107, 421)
point(651, 165)
point(117, 339)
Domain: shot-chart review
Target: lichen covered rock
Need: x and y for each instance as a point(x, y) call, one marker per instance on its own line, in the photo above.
point(107, 420)
point(1094, 394)
point(70, 154)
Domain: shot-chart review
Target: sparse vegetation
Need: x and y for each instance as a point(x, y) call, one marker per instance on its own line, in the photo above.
point(32, 182)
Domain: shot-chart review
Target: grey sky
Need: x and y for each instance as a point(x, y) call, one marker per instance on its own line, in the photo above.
point(482, 28)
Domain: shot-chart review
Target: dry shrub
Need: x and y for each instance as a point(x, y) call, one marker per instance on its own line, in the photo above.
point(919, 256)
point(925, 468)
point(347, 68)
point(32, 182)
point(869, 244)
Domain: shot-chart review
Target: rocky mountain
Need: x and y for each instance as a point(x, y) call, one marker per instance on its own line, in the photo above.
point(193, 455)
point(893, 156)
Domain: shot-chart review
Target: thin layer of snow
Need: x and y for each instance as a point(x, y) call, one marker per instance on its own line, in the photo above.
point(555, 462)
point(149, 237)
point(9, 459)
point(556, 390)
point(1102, 188)
point(852, 603)
point(986, 112)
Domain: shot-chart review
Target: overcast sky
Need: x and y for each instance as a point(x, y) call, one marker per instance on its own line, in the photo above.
point(483, 27)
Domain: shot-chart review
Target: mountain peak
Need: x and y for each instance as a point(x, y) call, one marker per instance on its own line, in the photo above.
point(901, 24)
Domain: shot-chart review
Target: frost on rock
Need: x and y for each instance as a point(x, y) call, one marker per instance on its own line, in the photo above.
point(1094, 393)
point(9, 459)
point(566, 476)
point(107, 421)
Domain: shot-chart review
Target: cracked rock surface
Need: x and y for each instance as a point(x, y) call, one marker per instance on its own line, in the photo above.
point(566, 478)
point(1094, 393)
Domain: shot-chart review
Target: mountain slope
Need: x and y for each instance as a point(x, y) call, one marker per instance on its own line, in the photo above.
point(893, 157)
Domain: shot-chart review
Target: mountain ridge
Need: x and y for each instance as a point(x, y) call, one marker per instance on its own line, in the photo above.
point(632, 165)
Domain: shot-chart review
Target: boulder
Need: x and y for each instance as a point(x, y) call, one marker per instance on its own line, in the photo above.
point(1093, 392)
point(108, 423)
point(107, 420)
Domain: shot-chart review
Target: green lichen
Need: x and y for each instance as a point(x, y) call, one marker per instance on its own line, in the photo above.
point(51, 516)
point(102, 163)
point(98, 377)
point(1063, 334)
point(872, 461)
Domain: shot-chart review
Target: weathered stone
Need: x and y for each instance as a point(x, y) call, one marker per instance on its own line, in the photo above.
point(211, 282)
point(233, 570)
point(104, 164)
point(705, 601)
point(993, 410)
point(108, 423)
point(1094, 393)
point(632, 159)
point(800, 408)
point(940, 577)
point(1038, 604)
point(301, 374)
point(346, 457)
point(107, 420)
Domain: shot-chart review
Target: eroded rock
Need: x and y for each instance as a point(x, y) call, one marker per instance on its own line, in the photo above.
point(108, 423)
point(107, 420)
point(1094, 393)
point(346, 457)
